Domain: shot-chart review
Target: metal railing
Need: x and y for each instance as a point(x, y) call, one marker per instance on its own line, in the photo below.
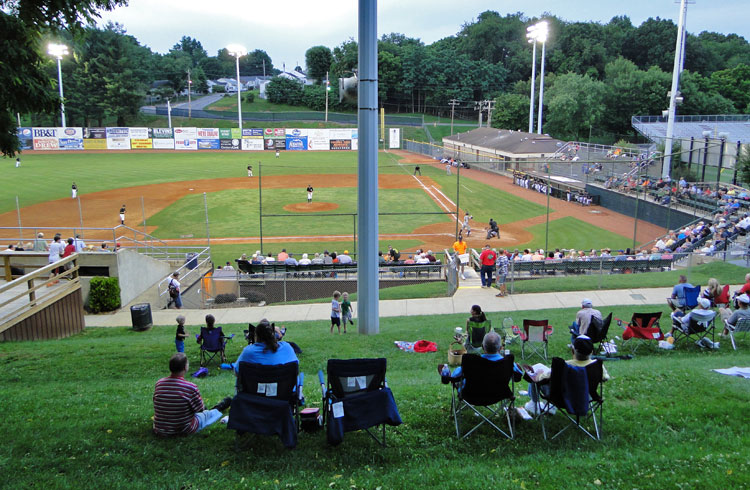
point(687, 118)
point(196, 263)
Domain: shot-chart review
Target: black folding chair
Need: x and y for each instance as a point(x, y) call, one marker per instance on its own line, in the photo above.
point(212, 342)
point(697, 329)
point(475, 335)
point(357, 397)
point(267, 401)
point(598, 331)
point(484, 384)
point(578, 394)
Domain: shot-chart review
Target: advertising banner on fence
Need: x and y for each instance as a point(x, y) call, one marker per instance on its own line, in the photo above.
point(70, 138)
point(275, 144)
point(253, 144)
point(25, 138)
point(230, 144)
point(162, 144)
point(337, 145)
point(236, 133)
point(95, 133)
point(208, 133)
point(340, 133)
point(140, 133)
point(317, 139)
point(225, 134)
point(274, 133)
point(95, 143)
point(209, 144)
point(118, 138)
point(394, 140)
point(162, 133)
point(252, 133)
point(185, 138)
point(296, 143)
point(45, 139)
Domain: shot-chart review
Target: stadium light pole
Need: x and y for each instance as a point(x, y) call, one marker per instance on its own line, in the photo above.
point(236, 50)
point(328, 89)
point(533, 78)
point(537, 33)
point(58, 51)
point(674, 95)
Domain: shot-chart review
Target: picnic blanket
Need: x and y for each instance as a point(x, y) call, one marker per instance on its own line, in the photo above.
point(418, 346)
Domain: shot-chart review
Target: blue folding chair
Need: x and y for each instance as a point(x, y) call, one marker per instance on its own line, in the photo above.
point(691, 297)
point(212, 342)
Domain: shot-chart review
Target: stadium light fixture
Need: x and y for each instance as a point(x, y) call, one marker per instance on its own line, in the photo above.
point(237, 51)
point(58, 51)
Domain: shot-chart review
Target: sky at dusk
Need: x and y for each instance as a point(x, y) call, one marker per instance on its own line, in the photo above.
point(286, 30)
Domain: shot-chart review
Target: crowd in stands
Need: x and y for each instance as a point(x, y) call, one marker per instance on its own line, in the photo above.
point(391, 256)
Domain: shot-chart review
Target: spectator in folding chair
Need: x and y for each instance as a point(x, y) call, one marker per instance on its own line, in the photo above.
point(212, 341)
point(677, 301)
point(583, 319)
point(178, 405)
point(477, 326)
point(743, 300)
point(702, 314)
point(491, 345)
point(267, 349)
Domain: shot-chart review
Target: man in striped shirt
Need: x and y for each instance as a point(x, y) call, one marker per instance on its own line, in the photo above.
point(178, 406)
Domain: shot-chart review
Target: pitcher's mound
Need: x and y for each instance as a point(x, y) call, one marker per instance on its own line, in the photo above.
point(311, 207)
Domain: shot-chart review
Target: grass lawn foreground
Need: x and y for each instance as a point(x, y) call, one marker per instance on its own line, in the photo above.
point(78, 413)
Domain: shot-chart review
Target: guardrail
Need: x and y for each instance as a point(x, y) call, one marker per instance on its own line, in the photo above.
point(13, 305)
point(687, 118)
point(190, 272)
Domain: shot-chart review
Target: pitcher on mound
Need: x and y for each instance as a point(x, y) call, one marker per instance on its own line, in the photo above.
point(309, 193)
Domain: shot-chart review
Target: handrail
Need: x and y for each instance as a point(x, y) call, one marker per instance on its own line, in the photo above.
point(36, 301)
point(202, 258)
point(692, 118)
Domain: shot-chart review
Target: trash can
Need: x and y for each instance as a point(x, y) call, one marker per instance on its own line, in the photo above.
point(141, 316)
point(191, 259)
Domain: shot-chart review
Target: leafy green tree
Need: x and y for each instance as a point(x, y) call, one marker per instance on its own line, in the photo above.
point(214, 68)
point(253, 62)
point(192, 48)
point(26, 87)
point(733, 84)
point(282, 90)
point(652, 44)
point(318, 60)
point(576, 103)
point(511, 112)
point(345, 59)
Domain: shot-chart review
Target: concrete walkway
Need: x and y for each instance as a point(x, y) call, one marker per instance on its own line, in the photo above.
point(467, 295)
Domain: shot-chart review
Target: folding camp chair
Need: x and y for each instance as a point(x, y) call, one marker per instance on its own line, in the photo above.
point(598, 331)
point(357, 397)
point(697, 329)
point(691, 297)
point(475, 335)
point(643, 327)
point(267, 401)
point(535, 332)
point(722, 299)
point(742, 326)
point(578, 394)
point(212, 342)
point(510, 332)
point(486, 384)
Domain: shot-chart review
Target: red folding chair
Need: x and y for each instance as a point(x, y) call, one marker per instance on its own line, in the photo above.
point(643, 327)
point(535, 332)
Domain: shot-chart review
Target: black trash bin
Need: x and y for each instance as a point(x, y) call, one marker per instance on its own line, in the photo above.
point(141, 316)
point(191, 259)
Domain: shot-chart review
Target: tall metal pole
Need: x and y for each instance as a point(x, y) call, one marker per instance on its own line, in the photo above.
point(328, 88)
point(533, 83)
point(169, 113)
point(80, 212)
point(541, 93)
point(367, 159)
point(239, 96)
point(458, 196)
point(721, 162)
point(208, 232)
point(190, 104)
point(736, 162)
point(59, 82)
point(260, 203)
point(705, 160)
point(20, 228)
point(546, 226)
point(676, 71)
point(143, 212)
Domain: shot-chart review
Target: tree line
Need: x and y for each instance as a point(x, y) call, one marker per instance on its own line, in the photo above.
point(597, 75)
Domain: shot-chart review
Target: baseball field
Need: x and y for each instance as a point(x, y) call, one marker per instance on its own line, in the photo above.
point(164, 195)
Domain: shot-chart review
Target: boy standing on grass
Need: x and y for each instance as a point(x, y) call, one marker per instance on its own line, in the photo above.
point(336, 312)
point(347, 310)
point(181, 335)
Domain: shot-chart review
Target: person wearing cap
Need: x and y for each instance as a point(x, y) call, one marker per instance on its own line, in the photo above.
point(743, 301)
point(583, 318)
point(345, 258)
point(701, 313)
point(582, 348)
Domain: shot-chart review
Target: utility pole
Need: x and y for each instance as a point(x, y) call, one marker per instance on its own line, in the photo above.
point(478, 107)
point(453, 103)
point(264, 69)
point(190, 83)
point(328, 89)
point(490, 104)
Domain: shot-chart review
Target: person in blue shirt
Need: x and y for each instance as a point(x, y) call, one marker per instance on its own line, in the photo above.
point(677, 301)
point(491, 345)
point(266, 350)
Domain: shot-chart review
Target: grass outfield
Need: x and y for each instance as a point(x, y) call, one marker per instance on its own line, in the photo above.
point(79, 410)
point(569, 232)
point(234, 213)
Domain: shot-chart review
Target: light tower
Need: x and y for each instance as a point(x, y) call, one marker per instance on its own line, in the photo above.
point(237, 51)
point(58, 51)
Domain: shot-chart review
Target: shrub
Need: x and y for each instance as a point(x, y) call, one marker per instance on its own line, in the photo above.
point(104, 294)
point(225, 298)
point(250, 97)
point(218, 89)
point(255, 297)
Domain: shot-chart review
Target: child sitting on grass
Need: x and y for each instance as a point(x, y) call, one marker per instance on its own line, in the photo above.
point(347, 310)
point(336, 312)
point(181, 334)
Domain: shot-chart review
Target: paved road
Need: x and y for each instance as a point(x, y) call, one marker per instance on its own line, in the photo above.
point(199, 103)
